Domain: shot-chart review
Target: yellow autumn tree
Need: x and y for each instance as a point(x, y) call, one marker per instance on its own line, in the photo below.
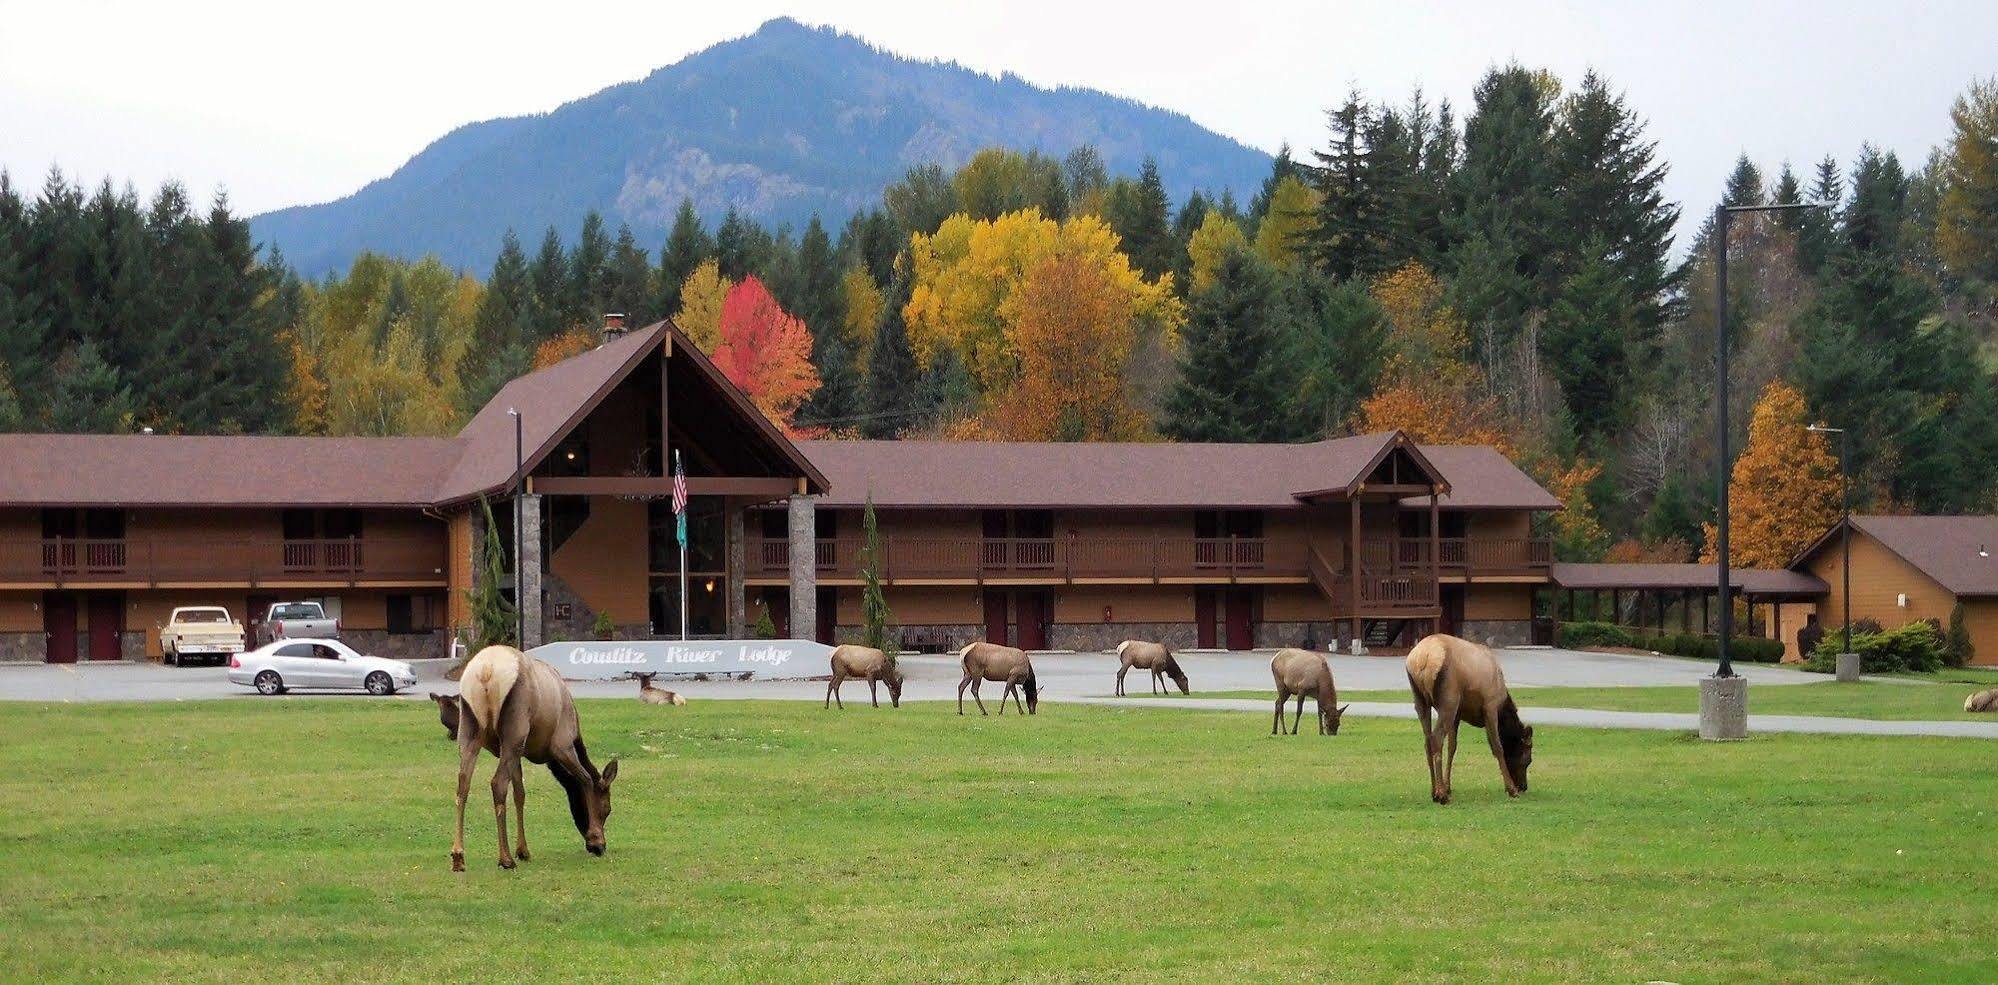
point(863, 304)
point(1967, 215)
point(1437, 414)
point(1426, 337)
point(1293, 211)
point(1784, 490)
point(573, 342)
point(965, 274)
point(1578, 532)
point(701, 296)
point(1208, 245)
point(306, 390)
point(1074, 329)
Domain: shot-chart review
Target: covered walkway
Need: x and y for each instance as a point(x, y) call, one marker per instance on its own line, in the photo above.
point(1685, 598)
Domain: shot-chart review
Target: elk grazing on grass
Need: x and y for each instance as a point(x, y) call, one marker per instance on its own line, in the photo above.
point(1155, 657)
point(1460, 681)
point(852, 661)
point(1986, 700)
point(656, 695)
point(1305, 673)
point(1000, 664)
point(517, 707)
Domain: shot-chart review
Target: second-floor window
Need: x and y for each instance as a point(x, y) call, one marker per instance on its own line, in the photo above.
point(321, 524)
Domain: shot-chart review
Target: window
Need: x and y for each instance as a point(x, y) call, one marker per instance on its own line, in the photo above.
point(415, 613)
point(298, 610)
point(294, 650)
point(318, 524)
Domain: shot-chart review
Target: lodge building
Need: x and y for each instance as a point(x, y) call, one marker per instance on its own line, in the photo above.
point(1064, 546)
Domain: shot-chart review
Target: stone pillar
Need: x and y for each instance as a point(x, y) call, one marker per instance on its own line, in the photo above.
point(1723, 708)
point(804, 568)
point(738, 611)
point(1847, 666)
point(527, 588)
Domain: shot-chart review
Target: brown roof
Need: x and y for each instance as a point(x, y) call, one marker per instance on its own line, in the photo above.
point(1036, 475)
point(1955, 551)
point(1751, 581)
point(131, 470)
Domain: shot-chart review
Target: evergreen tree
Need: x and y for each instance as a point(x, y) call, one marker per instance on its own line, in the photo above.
point(1139, 214)
point(1504, 188)
point(1586, 345)
point(1281, 167)
point(874, 614)
point(893, 396)
point(1230, 388)
point(88, 395)
point(1084, 171)
point(495, 619)
point(550, 277)
point(628, 286)
point(1872, 220)
point(1334, 340)
point(501, 328)
point(589, 274)
point(12, 418)
point(686, 246)
point(1353, 235)
point(1611, 201)
point(1674, 515)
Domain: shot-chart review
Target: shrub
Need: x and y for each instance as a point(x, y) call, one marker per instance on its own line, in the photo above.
point(604, 628)
point(764, 628)
point(1916, 646)
point(1575, 635)
point(1958, 647)
point(1809, 637)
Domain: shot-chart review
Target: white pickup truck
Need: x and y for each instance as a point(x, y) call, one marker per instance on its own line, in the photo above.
point(200, 632)
point(299, 620)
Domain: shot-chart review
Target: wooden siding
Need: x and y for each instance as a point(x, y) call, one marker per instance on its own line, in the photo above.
point(1879, 578)
point(605, 561)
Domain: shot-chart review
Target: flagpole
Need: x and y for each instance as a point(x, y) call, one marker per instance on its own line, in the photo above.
point(680, 523)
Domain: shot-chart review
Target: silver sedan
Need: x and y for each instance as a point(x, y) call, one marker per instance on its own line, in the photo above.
point(318, 664)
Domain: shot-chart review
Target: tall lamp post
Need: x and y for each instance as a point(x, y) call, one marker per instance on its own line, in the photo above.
point(1845, 654)
point(1724, 696)
point(519, 551)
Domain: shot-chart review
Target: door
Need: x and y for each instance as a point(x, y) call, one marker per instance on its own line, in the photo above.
point(1033, 613)
point(107, 620)
point(59, 626)
point(253, 619)
point(1241, 619)
point(1203, 618)
point(295, 663)
point(1452, 604)
point(995, 617)
point(828, 615)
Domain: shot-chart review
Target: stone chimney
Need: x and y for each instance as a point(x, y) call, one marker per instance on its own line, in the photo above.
point(613, 325)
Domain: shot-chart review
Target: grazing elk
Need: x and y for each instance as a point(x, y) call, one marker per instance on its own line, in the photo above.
point(992, 662)
point(1305, 673)
point(1460, 681)
point(656, 695)
point(1986, 700)
point(1155, 657)
point(517, 707)
point(852, 661)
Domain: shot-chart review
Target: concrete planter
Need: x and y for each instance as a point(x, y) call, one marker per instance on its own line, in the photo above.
point(1723, 708)
point(1847, 668)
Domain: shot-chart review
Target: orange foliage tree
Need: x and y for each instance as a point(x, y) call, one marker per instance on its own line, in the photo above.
point(1072, 327)
point(573, 342)
point(1434, 412)
point(766, 352)
point(1579, 534)
point(1783, 492)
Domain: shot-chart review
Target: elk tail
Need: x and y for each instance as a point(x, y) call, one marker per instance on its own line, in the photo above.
point(487, 680)
point(965, 654)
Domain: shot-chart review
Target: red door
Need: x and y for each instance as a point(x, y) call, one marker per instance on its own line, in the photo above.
point(1033, 608)
point(107, 620)
point(828, 614)
point(1241, 633)
point(59, 626)
point(995, 617)
point(1203, 618)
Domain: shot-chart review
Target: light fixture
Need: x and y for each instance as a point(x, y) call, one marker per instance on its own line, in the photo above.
point(1981, 552)
point(709, 585)
point(571, 456)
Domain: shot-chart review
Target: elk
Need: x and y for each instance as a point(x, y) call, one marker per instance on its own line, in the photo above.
point(1986, 700)
point(1460, 681)
point(865, 663)
point(656, 695)
point(1303, 673)
point(517, 707)
point(1155, 657)
point(1000, 664)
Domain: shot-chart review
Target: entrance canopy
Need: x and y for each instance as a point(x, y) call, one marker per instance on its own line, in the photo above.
point(1759, 584)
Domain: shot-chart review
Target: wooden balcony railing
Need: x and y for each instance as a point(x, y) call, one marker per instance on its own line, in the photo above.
point(249, 561)
point(1467, 555)
point(1067, 558)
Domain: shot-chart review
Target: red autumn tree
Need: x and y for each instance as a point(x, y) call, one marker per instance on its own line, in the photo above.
point(766, 352)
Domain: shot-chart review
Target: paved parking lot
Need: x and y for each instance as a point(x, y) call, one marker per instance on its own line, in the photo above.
point(931, 676)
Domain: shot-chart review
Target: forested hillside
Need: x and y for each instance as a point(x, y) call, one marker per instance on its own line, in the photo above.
point(1500, 272)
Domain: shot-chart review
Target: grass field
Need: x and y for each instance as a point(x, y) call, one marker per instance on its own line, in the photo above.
point(307, 840)
point(1866, 699)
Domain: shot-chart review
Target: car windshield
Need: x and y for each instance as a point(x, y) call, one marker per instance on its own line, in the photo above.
point(300, 611)
point(203, 615)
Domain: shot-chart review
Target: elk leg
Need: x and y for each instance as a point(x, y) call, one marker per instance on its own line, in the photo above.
point(1498, 751)
point(960, 693)
point(976, 684)
point(468, 760)
point(1276, 719)
point(1120, 679)
point(872, 696)
point(1429, 745)
point(832, 683)
point(1156, 686)
point(1019, 687)
point(1446, 728)
point(502, 780)
point(1297, 716)
point(520, 813)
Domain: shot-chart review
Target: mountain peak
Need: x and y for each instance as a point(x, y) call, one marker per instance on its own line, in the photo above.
point(790, 121)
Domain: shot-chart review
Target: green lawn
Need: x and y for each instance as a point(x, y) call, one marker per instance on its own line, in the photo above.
point(1866, 699)
point(307, 840)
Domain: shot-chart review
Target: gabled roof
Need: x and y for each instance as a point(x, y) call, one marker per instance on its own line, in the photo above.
point(1957, 552)
point(1110, 475)
point(1751, 581)
point(158, 470)
point(1483, 479)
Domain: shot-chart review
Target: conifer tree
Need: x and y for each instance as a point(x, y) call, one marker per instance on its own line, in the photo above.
point(1139, 214)
point(1505, 193)
point(894, 393)
point(1229, 388)
point(686, 246)
point(500, 330)
point(1586, 345)
point(1611, 201)
point(550, 277)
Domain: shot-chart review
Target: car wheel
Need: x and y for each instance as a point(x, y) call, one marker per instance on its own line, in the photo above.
point(269, 682)
point(172, 659)
point(379, 683)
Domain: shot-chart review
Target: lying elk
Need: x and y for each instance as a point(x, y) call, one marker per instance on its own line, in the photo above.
point(517, 707)
point(656, 695)
point(851, 661)
point(1986, 700)
point(1305, 673)
point(1000, 664)
point(1155, 657)
point(1460, 681)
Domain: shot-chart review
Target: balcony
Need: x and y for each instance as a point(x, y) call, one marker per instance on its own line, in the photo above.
point(1467, 555)
point(1069, 559)
point(150, 561)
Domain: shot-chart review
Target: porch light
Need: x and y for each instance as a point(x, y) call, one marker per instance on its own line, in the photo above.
point(709, 585)
point(1981, 552)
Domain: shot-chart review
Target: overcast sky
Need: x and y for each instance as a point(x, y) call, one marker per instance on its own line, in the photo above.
point(285, 104)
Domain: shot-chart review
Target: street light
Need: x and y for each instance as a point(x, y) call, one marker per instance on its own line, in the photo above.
point(1845, 528)
point(519, 550)
point(1724, 696)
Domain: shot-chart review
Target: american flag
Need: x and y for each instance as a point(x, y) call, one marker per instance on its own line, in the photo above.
point(680, 498)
